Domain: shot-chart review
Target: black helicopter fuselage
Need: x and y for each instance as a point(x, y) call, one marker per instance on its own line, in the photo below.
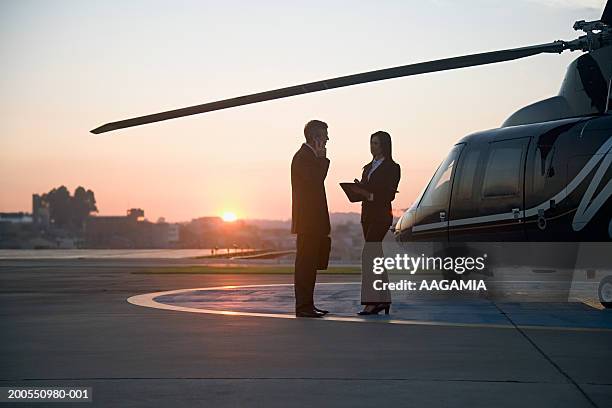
point(548, 181)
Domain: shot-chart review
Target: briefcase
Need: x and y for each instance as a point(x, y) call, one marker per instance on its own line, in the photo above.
point(324, 250)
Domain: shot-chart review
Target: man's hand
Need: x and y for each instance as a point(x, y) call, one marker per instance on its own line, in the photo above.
point(320, 149)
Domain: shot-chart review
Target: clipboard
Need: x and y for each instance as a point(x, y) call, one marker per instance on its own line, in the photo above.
point(350, 194)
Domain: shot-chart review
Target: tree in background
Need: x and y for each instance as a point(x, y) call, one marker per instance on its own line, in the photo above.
point(68, 211)
point(83, 204)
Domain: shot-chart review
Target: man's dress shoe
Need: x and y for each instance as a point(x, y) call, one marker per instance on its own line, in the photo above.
point(321, 311)
point(311, 313)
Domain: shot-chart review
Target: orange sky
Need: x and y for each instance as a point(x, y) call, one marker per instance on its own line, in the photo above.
point(72, 66)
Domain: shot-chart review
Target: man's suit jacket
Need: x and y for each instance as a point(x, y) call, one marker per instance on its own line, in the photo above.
point(309, 202)
point(383, 183)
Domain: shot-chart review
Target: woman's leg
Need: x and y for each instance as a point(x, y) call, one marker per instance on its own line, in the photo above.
point(366, 278)
point(373, 234)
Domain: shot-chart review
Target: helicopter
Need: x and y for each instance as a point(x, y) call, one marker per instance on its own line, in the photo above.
point(543, 175)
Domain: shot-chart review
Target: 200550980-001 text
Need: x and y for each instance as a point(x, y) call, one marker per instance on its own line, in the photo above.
point(45, 394)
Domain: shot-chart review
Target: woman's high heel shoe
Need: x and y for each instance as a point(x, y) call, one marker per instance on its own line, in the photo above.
point(376, 309)
point(382, 306)
point(366, 311)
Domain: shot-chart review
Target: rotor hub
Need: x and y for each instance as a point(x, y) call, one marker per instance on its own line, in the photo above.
point(598, 34)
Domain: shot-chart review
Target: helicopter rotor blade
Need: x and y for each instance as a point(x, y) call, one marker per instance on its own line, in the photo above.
point(606, 16)
point(339, 82)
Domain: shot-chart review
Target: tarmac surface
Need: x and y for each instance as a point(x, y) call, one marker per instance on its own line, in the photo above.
point(68, 323)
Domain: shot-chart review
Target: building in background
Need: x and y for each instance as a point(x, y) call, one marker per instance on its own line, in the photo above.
point(17, 230)
point(16, 217)
point(40, 211)
point(129, 231)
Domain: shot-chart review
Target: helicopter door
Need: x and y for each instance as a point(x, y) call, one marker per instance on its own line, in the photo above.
point(466, 190)
point(432, 212)
point(488, 200)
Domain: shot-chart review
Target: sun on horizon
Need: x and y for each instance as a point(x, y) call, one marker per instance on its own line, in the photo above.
point(229, 216)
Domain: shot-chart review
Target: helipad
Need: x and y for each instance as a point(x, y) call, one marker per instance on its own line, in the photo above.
point(342, 300)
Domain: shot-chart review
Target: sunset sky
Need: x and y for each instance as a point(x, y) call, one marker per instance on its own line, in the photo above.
point(70, 66)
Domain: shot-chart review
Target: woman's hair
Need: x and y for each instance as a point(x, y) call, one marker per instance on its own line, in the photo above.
point(385, 143)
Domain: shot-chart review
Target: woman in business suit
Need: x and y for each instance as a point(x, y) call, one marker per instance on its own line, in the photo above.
point(377, 186)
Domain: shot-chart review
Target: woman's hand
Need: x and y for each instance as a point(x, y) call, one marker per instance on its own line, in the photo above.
point(361, 191)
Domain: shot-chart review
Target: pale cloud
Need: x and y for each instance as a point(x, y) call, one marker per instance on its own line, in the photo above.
point(566, 4)
point(573, 4)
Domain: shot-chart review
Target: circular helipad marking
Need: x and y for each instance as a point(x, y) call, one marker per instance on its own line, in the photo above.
point(149, 300)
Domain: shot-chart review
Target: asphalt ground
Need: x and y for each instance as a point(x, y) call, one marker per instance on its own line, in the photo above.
point(68, 323)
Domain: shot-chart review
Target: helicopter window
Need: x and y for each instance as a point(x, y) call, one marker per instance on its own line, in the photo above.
point(502, 175)
point(467, 174)
point(543, 167)
point(438, 190)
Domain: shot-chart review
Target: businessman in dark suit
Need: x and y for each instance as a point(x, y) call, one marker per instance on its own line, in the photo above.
point(310, 217)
